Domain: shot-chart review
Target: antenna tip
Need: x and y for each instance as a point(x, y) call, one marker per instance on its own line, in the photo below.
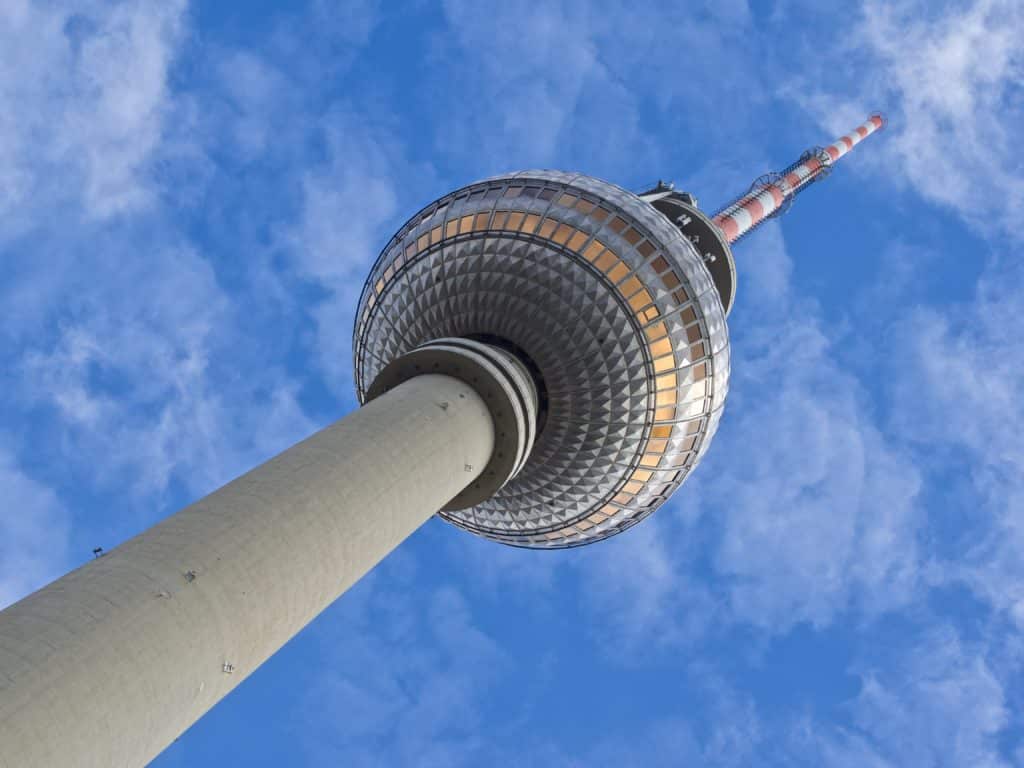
point(880, 118)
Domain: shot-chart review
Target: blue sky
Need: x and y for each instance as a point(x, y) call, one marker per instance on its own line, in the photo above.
point(191, 194)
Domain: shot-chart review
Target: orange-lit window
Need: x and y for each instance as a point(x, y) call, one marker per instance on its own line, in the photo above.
point(655, 332)
point(631, 286)
point(662, 347)
point(693, 333)
point(664, 363)
point(547, 227)
point(670, 280)
point(576, 241)
point(617, 224)
point(593, 250)
point(451, 229)
point(607, 261)
point(645, 249)
point(480, 222)
point(618, 272)
point(650, 460)
point(423, 241)
point(642, 299)
point(379, 286)
point(668, 397)
point(633, 487)
point(668, 381)
point(584, 206)
point(663, 430)
point(600, 214)
point(659, 265)
point(499, 220)
point(466, 224)
point(562, 234)
point(643, 475)
point(515, 220)
point(567, 200)
point(688, 315)
point(531, 222)
point(435, 234)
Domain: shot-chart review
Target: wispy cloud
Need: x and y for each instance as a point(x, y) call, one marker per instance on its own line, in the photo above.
point(802, 510)
point(959, 401)
point(91, 95)
point(942, 705)
point(421, 670)
point(950, 81)
point(34, 528)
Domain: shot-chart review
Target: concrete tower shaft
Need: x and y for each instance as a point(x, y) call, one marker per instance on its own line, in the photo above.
point(108, 665)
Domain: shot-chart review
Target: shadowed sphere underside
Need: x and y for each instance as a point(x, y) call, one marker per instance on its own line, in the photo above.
point(609, 304)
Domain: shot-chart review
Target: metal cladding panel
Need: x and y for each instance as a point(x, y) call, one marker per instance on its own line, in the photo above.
point(611, 304)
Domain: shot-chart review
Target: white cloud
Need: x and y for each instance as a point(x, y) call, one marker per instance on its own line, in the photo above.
point(959, 399)
point(521, 53)
point(818, 510)
point(415, 672)
point(950, 82)
point(144, 372)
point(146, 368)
point(802, 509)
point(940, 705)
point(86, 100)
point(350, 204)
point(33, 532)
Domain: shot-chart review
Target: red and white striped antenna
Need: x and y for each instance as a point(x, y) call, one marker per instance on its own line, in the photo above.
point(773, 193)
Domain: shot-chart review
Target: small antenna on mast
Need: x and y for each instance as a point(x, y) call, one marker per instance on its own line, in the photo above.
point(772, 194)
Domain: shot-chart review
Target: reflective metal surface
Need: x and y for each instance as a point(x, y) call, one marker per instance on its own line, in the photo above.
point(606, 299)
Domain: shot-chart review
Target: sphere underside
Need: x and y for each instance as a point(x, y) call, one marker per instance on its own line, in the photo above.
point(603, 297)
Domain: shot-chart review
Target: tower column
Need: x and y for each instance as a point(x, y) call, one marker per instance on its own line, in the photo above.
point(108, 665)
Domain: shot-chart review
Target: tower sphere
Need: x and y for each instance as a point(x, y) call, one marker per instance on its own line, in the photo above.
point(609, 306)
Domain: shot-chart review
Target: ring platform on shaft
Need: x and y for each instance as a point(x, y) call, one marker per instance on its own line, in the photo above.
point(604, 301)
point(503, 384)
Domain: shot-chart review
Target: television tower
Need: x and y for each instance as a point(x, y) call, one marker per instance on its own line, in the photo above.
point(542, 357)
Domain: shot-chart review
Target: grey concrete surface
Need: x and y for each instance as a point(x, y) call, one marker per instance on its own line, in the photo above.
point(108, 665)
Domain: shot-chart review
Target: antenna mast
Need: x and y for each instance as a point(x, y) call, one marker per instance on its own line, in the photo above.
point(771, 194)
